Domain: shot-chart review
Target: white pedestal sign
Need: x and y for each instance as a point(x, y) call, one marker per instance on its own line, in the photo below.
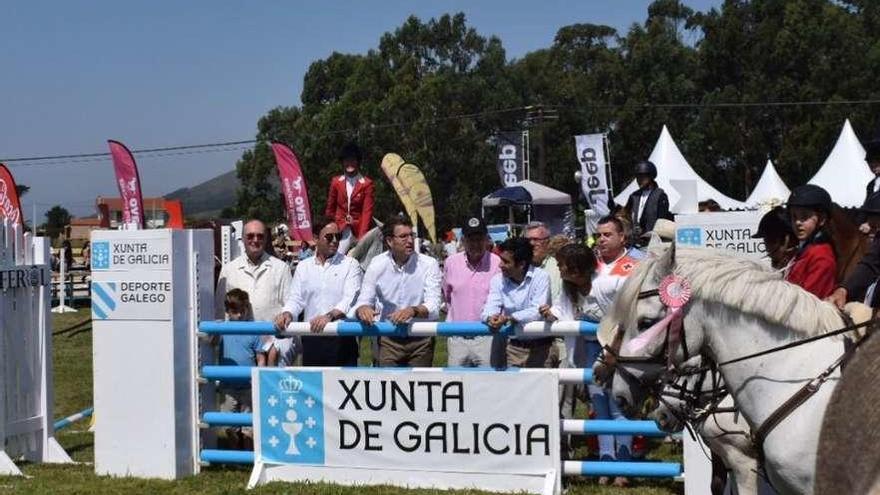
point(146, 297)
point(731, 231)
point(496, 431)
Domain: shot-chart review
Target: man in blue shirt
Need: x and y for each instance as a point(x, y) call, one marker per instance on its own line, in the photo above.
point(515, 295)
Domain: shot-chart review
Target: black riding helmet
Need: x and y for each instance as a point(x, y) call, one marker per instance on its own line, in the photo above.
point(775, 221)
point(810, 196)
point(645, 167)
point(351, 150)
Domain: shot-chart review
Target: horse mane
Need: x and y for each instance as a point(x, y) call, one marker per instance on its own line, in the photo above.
point(739, 283)
point(752, 288)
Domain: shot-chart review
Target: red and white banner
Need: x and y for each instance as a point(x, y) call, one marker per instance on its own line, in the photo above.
point(293, 188)
point(10, 206)
point(129, 183)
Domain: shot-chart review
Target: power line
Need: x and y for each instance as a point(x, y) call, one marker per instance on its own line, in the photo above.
point(226, 146)
point(721, 104)
point(208, 148)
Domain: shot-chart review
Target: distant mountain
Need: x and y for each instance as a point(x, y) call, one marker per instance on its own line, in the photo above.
point(208, 198)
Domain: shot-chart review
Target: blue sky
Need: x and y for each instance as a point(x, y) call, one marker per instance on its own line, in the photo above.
point(167, 73)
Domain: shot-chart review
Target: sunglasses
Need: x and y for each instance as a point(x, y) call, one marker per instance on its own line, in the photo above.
point(254, 236)
point(332, 237)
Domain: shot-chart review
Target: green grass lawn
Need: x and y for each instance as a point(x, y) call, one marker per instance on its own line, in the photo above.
point(73, 392)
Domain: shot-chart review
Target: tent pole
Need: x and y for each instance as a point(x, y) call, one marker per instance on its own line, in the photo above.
point(608, 173)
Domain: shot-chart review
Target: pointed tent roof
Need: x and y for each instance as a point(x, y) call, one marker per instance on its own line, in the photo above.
point(845, 172)
point(770, 187)
point(671, 165)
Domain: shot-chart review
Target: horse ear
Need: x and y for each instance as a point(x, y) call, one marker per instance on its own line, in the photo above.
point(665, 262)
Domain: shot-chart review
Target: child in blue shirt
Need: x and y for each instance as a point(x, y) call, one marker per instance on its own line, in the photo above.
point(239, 350)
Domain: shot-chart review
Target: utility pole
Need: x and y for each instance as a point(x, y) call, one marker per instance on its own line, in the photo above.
point(536, 117)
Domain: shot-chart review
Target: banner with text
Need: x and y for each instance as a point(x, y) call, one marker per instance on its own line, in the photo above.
point(407, 420)
point(293, 188)
point(129, 183)
point(131, 279)
point(10, 206)
point(590, 149)
point(511, 166)
point(731, 231)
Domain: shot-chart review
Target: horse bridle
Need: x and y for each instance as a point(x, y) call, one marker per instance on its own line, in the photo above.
point(662, 359)
point(654, 387)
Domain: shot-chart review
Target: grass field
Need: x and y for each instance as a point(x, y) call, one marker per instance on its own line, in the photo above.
point(73, 392)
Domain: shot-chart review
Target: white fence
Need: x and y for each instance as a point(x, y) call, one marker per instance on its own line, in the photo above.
point(26, 395)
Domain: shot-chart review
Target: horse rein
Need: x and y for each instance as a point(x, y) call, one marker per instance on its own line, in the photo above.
point(668, 378)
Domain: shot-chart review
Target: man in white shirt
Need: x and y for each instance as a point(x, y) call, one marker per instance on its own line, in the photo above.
point(401, 285)
point(266, 279)
point(614, 266)
point(515, 296)
point(324, 287)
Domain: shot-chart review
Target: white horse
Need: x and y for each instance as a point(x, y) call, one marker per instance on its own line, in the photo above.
point(737, 307)
point(700, 398)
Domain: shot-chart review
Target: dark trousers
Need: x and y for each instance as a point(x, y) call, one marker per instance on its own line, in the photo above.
point(329, 351)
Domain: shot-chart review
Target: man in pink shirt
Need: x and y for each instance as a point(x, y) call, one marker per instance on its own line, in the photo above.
point(466, 277)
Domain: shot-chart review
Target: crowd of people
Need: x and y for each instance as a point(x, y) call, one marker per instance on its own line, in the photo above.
point(527, 278)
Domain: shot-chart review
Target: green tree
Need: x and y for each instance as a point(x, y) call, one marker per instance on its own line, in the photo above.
point(57, 218)
point(437, 91)
point(403, 98)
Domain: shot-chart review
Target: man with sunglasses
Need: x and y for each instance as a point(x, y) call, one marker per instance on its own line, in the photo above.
point(324, 287)
point(265, 278)
point(538, 235)
point(401, 285)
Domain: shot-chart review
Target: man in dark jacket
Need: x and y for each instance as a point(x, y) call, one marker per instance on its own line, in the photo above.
point(867, 272)
point(648, 203)
point(872, 156)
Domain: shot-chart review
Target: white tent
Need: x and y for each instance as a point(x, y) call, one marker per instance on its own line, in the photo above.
point(770, 188)
point(671, 165)
point(845, 173)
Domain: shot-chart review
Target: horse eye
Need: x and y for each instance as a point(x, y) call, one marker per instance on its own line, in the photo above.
point(645, 323)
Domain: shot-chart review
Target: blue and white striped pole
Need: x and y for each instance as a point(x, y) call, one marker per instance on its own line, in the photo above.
point(228, 373)
point(73, 418)
point(416, 329)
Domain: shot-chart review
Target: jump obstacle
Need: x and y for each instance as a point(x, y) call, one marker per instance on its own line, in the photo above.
point(26, 393)
point(160, 288)
point(219, 373)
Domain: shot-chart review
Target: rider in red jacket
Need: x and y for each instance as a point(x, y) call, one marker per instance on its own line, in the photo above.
point(350, 199)
point(815, 265)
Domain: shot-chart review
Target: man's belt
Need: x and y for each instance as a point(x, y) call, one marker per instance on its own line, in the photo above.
point(531, 343)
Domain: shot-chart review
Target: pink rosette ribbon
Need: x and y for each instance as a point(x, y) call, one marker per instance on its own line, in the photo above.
point(674, 292)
